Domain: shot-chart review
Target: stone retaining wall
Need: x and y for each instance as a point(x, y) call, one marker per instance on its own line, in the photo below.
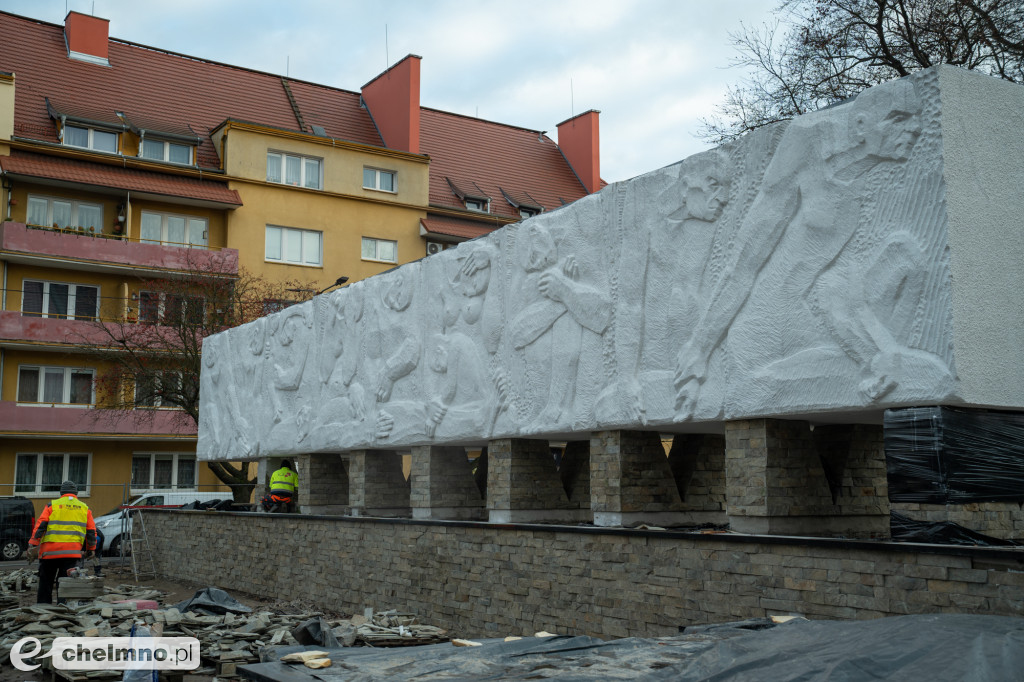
point(999, 519)
point(480, 579)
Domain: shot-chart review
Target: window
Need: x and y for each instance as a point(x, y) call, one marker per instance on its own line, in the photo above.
point(48, 211)
point(163, 470)
point(480, 205)
point(54, 299)
point(380, 249)
point(158, 150)
point(175, 230)
point(151, 389)
point(162, 308)
point(379, 179)
point(90, 138)
point(55, 385)
point(527, 212)
point(297, 171)
point(289, 245)
point(43, 472)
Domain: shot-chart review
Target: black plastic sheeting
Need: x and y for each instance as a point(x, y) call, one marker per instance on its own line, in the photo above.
point(906, 529)
point(924, 647)
point(942, 455)
point(212, 601)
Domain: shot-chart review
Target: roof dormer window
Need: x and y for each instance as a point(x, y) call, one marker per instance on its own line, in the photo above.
point(90, 138)
point(478, 205)
point(172, 152)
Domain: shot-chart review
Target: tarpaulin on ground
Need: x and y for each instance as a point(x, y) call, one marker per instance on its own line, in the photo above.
point(924, 647)
point(943, 455)
point(211, 601)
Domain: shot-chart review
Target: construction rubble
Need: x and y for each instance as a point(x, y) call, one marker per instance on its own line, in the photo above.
point(230, 633)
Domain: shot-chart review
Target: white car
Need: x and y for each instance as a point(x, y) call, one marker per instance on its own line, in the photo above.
point(116, 525)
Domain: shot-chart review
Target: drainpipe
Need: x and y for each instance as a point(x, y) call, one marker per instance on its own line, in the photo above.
point(8, 189)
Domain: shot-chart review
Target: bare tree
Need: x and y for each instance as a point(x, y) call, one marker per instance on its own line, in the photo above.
point(150, 346)
point(820, 52)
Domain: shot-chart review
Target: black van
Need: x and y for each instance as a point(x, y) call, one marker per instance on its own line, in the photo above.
point(17, 517)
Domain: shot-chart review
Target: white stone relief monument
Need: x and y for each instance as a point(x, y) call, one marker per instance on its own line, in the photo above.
point(861, 257)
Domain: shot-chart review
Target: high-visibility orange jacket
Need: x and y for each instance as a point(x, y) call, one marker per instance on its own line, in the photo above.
point(64, 527)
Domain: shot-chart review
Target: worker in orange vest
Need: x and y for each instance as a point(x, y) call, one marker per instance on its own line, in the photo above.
point(63, 529)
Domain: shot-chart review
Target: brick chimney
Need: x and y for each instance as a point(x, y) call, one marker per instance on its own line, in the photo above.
point(393, 100)
point(579, 140)
point(86, 37)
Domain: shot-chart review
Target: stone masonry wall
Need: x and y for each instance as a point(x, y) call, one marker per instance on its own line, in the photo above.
point(480, 580)
point(998, 519)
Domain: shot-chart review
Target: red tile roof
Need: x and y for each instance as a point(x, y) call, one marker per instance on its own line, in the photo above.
point(494, 157)
point(100, 175)
point(156, 86)
point(455, 228)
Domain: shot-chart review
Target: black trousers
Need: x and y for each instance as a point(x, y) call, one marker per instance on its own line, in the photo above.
point(49, 571)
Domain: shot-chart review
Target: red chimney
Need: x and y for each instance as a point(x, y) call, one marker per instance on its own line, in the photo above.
point(393, 100)
point(579, 140)
point(86, 37)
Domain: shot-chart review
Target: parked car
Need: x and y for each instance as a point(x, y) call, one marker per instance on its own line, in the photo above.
point(17, 518)
point(115, 527)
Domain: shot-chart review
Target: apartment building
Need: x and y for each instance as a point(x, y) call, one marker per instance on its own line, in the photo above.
point(121, 164)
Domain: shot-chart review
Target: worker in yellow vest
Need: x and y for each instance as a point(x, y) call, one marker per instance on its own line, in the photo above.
point(64, 528)
point(284, 488)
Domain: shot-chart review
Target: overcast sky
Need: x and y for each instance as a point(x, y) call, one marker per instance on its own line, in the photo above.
point(653, 68)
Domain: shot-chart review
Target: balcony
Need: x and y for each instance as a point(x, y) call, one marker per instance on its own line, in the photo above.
point(30, 331)
point(29, 421)
point(56, 248)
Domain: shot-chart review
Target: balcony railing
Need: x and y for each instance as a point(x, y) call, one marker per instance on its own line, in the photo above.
point(110, 252)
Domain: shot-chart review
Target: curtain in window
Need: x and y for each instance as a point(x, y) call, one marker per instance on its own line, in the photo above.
point(163, 471)
point(53, 472)
point(90, 216)
point(151, 228)
point(76, 137)
point(293, 246)
point(140, 471)
point(28, 385)
point(81, 388)
point(311, 247)
point(153, 149)
point(386, 251)
point(86, 299)
point(273, 251)
point(370, 178)
point(369, 248)
point(37, 211)
point(103, 141)
point(180, 153)
point(312, 173)
point(32, 298)
point(387, 181)
point(25, 474)
point(292, 170)
point(186, 472)
point(273, 168)
point(196, 232)
point(78, 471)
point(62, 213)
point(53, 386)
point(175, 230)
point(58, 304)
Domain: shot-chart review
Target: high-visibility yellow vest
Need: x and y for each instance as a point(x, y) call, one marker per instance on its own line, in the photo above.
point(65, 528)
point(284, 481)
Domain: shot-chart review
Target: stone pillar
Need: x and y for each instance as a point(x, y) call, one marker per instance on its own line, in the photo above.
point(441, 485)
point(323, 484)
point(631, 482)
point(377, 486)
point(523, 485)
point(697, 462)
point(783, 478)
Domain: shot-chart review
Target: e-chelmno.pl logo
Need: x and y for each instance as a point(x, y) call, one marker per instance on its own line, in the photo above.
point(110, 653)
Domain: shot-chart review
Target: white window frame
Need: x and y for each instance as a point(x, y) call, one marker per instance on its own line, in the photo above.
point(366, 241)
point(165, 155)
point(66, 397)
point(161, 313)
point(483, 204)
point(303, 176)
point(303, 237)
point(37, 491)
point(175, 457)
point(377, 185)
point(72, 300)
point(92, 135)
point(525, 213)
point(158, 401)
point(192, 223)
point(75, 205)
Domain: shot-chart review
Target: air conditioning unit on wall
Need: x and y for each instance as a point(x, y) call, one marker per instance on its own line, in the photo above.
point(434, 247)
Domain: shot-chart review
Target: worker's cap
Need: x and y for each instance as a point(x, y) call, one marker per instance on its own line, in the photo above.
point(287, 465)
point(68, 487)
